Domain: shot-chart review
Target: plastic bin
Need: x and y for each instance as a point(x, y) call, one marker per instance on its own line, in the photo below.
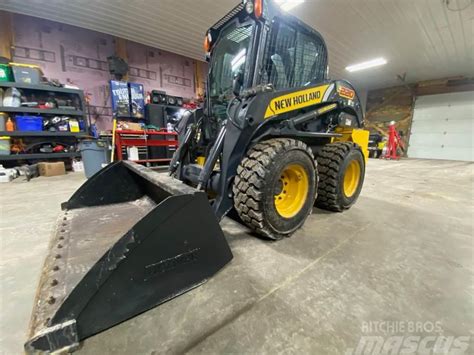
point(5, 73)
point(4, 145)
point(29, 123)
point(26, 73)
point(95, 155)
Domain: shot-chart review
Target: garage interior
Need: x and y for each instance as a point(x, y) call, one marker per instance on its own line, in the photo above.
point(391, 274)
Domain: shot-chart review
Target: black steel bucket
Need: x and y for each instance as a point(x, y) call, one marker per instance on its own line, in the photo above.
point(128, 240)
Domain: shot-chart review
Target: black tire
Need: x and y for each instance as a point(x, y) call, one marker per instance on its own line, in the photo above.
point(258, 181)
point(333, 162)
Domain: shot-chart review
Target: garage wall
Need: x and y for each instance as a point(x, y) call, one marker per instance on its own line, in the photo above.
point(78, 56)
point(442, 127)
point(391, 104)
point(398, 103)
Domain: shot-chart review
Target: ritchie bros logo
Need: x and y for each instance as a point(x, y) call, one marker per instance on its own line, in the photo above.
point(408, 337)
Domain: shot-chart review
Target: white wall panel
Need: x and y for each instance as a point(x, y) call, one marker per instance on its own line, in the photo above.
point(442, 127)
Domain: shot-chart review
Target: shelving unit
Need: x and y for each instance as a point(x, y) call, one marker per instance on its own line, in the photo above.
point(42, 134)
point(42, 111)
point(70, 138)
point(9, 84)
point(39, 156)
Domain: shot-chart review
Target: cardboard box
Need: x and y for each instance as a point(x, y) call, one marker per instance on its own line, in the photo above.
point(52, 169)
point(132, 126)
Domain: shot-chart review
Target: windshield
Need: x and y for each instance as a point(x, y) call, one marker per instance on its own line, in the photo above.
point(228, 58)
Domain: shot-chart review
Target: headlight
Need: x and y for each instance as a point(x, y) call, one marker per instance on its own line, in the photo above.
point(249, 7)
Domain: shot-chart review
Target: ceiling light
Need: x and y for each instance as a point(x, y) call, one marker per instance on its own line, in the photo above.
point(288, 4)
point(366, 65)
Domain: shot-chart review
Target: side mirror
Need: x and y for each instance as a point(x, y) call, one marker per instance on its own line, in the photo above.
point(237, 83)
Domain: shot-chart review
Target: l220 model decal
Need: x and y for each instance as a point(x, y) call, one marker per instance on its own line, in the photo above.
point(295, 100)
point(346, 92)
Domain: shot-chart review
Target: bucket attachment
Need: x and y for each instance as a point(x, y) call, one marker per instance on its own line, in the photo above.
point(128, 240)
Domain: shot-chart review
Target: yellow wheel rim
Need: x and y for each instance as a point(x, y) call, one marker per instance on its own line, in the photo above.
point(294, 183)
point(351, 178)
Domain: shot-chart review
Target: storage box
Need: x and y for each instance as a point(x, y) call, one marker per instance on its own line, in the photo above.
point(74, 125)
point(52, 169)
point(5, 73)
point(132, 126)
point(4, 145)
point(26, 73)
point(29, 123)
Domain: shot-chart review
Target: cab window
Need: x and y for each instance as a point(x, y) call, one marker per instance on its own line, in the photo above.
point(294, 58)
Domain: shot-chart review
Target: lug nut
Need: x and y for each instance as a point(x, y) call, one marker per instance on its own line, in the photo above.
point(51, 300)
point(54, 282)
point(55, 268)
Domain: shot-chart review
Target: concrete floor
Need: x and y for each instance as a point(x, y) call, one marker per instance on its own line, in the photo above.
point(403, 253)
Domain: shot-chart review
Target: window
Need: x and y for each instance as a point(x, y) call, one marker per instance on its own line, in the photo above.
point(280, 56)
point(228, 58)
point(294, 58)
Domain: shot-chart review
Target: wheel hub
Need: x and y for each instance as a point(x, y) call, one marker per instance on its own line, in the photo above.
point(351, 178)
point(291, 190)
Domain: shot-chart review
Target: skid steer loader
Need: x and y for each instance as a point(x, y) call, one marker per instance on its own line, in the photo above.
point(274, 138)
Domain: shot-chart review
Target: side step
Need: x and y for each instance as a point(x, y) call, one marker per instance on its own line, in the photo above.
point(128, 240)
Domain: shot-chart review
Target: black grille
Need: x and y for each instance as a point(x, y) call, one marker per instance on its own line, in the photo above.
point(229, 16)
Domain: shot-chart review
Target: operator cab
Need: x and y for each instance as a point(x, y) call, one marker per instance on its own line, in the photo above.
point(256, 45)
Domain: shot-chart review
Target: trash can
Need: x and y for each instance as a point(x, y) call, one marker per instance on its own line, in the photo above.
point(95, 155)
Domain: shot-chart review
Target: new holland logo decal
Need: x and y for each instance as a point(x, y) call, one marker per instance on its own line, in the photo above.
point(295, 100)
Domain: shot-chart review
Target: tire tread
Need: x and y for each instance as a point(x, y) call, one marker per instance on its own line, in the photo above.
point(329, 160)
point(250, 181)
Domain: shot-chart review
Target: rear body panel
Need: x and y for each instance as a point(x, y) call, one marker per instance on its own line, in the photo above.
point(358, 136)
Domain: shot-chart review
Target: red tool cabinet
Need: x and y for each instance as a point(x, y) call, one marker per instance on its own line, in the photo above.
point(142, 139)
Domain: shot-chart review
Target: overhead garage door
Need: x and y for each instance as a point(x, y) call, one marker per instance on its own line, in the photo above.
point(442, 127)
